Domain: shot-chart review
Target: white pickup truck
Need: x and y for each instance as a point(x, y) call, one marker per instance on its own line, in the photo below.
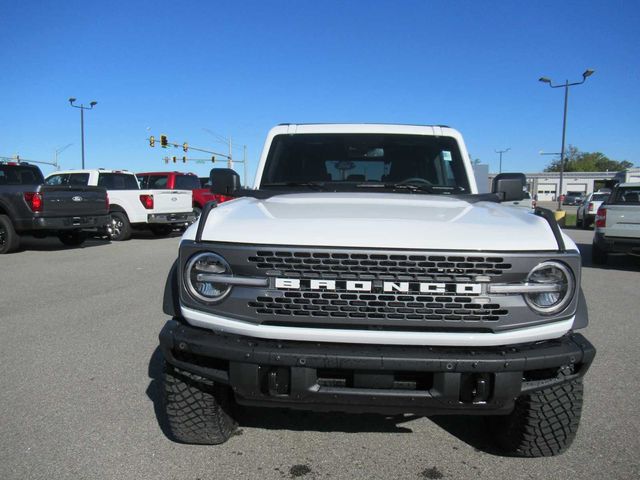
point(617, 227)
point(364, 273)
point(129, 206)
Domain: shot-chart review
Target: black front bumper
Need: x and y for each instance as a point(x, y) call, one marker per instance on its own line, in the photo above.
point(375, 378)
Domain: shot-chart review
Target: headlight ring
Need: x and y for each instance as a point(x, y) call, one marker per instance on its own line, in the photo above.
point(553, 273)
point(206, 291)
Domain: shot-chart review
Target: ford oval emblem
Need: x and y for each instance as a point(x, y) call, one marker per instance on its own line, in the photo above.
point(77, 198)
point(174, 199)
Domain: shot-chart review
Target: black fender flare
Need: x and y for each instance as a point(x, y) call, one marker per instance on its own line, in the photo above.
point(171, 298)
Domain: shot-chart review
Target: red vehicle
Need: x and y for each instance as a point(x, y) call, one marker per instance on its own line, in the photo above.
point(181, 181)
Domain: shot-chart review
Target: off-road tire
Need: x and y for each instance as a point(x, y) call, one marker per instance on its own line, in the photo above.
point(119, 228)
point(161, 230)
point(598, 256)
point(73, 238)
point(9, 239)
point(543, 423)
point(198, 410)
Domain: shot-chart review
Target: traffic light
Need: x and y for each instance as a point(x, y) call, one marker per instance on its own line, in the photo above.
point(174, 159)
point(184, 159)
point(185, 146)
point(163, 141)
point(213, 159)
point(152, 141)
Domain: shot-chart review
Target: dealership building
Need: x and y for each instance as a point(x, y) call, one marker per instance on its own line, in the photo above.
point(546, 185)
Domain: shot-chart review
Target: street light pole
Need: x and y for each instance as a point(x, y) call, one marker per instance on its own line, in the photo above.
point(501, 152)
point(82, 109)
point(587, 73)
point(58, 152)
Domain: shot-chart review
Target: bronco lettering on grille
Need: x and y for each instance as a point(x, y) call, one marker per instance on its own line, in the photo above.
point(377, 286)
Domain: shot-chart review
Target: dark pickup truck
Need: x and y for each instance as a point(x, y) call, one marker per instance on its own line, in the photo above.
point(29, 207)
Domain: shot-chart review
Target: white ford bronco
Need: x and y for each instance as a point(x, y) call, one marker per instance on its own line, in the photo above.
point(364, 273)
point(129, 206)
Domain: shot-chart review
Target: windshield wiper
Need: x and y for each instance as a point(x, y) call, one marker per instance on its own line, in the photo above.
point(411, 187)
point(320, 186)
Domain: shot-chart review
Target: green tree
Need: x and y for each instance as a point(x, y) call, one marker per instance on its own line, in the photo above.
point(577, 161)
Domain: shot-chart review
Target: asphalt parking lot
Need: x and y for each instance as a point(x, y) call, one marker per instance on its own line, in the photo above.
point(79, 389)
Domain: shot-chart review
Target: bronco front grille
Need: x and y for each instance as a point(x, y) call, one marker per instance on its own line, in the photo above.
point(374, 265)
point(334, 305)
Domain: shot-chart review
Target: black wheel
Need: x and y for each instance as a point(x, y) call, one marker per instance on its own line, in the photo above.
point(9, 239)
point(119, 228)
point(72, 238)
point(598, 256)
point(543, 423)
point(161, 230)
point(579, 222)
point(198, 410)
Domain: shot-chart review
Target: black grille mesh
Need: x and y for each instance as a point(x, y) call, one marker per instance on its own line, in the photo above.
point(373, 265)
point(377, 306)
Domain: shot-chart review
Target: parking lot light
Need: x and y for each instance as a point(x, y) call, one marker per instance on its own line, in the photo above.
point(587, 73)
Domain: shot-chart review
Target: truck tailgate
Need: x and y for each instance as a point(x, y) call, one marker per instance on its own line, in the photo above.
point(623, 221)
point(172, 201)
point(72, 201)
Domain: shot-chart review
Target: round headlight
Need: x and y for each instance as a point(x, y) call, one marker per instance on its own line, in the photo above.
point(199, 277)
point(559, 278)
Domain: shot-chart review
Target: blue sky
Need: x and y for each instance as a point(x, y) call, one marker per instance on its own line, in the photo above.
point(238, 68)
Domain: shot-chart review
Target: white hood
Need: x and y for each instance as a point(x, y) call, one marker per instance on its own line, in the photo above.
point(377, 220)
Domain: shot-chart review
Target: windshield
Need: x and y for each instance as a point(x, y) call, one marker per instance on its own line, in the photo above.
point(19, 175)
point(352, 162)
point(629, 195)
point(599, 197)
point(118, 181)
point(187, 182)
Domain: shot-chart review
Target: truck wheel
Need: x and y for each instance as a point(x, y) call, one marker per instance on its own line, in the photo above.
point(543, 423)
point(579, 222)
point(73, 238)
point(119, 228)
point(598, 256)
point(197, 211)
point(9, 239)
point(161, 230)
point(198, 409)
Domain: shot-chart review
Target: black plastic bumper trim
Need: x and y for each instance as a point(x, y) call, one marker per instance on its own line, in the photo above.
point(242, 363)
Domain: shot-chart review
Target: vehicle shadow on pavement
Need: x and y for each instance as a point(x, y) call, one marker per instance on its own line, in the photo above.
point(52, 244)
point(473, 431)
point(154, 390)
point(615, 261)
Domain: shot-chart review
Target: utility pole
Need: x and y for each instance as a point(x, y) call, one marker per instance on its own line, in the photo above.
point(82, 109)
point(501, 152)
point(244, 164)
point(230, 160)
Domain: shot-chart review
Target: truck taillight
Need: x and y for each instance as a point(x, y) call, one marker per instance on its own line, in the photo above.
point(147, 201)
point(221, 198)
point(34, 201)
point(601, 218)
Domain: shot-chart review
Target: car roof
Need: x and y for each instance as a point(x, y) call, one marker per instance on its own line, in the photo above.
point(166, 173)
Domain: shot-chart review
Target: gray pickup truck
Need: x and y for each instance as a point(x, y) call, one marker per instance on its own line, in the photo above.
point(618, 224)
point(29, 207)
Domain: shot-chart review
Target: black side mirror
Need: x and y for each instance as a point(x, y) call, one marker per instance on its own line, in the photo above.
point(509, 186)
point(224, 181)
